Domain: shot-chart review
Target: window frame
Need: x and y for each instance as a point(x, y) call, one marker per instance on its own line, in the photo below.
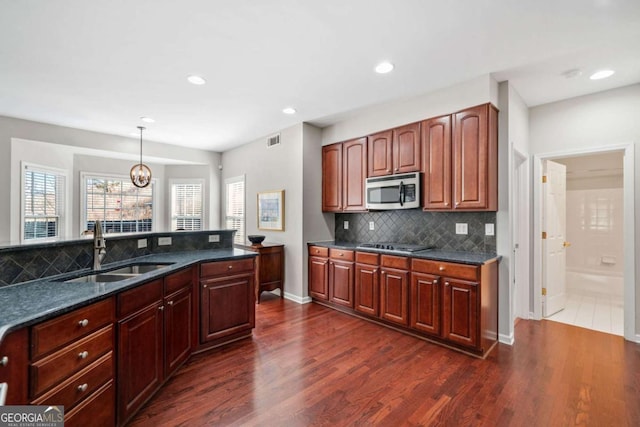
point(63, 217)
point(192, 181)
point(98, 175)
point(233, 180)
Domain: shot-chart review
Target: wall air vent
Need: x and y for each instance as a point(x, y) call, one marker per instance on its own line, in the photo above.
point(274, 140)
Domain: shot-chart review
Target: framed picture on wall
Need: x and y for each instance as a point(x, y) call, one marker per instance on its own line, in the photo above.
point(271, 210)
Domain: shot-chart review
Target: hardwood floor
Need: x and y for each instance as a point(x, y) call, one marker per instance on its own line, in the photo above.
point(309, 365)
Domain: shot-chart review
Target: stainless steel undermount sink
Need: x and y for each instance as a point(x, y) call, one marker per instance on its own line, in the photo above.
point(122, 273)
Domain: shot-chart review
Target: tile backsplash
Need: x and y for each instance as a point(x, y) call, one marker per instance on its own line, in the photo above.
point(437, 229)
point(29, 262)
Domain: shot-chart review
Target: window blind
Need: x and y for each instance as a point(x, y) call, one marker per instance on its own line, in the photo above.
point(186, 206)
point(234, 210)
point(43, 203)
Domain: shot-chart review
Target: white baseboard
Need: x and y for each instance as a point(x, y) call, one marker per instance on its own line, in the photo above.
point(637, 340)
point(506, 339)
point(296, 298)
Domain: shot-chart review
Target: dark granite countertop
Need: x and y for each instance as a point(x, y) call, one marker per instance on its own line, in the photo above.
point(471, 258)
point(27, 303)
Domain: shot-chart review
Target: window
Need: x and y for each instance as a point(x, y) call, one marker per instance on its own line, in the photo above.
point(186, 206)
point(122, 207)
point(234, 207)
point(43, 194)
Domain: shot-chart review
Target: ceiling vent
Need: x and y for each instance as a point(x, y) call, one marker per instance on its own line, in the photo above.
point(274, 140)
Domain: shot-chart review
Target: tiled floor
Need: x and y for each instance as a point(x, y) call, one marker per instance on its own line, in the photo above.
point(591, 310)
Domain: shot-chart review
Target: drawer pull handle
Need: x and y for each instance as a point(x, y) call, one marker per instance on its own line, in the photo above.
point(82, 388)
point(170, 303)
point(341, 254)
point(83, 355)
point(83, 323)
point(317, 251)
point(4, 361)
point(441, 268)
point(230, 267)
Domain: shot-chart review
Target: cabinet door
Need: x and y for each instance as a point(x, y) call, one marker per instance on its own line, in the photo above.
point(425, 303)
point(380, 154)
point(226, 307)
point(177, 329)
point(367, 289)
point(140, 359)
point(354, 174)
point(14, 368)
point(394, 286)
point(436, 161)
point(406, 149)
point(341, 283)
point(460, 312)
point(471, 159)
point(332, 178)
point(319, 277)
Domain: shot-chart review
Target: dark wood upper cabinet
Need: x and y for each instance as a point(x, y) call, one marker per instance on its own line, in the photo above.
point(406, 148)
point(436, 160)
point(332, 178)
point(475, 158)
point(380, 154)
point(354, 174)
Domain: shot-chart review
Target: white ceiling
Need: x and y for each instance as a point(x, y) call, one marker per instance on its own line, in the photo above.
point(101, 65)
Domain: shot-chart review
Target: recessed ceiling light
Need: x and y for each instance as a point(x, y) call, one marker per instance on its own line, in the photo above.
point(602, 74)
point(196, 80)
point(289, 110)
point(147, 119)
point(384, 67)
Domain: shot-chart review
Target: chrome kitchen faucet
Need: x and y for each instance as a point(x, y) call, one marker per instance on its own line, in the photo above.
point(99, 246)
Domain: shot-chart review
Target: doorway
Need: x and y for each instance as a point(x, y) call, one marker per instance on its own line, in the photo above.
point(600, 258)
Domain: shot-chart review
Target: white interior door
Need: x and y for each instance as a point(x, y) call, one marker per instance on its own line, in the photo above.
point(554, 258)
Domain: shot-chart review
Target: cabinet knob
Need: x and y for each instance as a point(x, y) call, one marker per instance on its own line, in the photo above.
point(4, 361)
point(397, 169)
point(83, 355)
point(170, 303)
point(317, 251)
point(441, 268)
point(204, 286)
point(383, 273)
point(161, 308)
point(83, 387)
point(435, 281)
point(83, 323)
point(446, 283)
point(341, 254)
point(230, 267)
point(446, 204)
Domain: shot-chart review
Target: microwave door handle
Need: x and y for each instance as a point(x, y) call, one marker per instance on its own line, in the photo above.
point(401, 193)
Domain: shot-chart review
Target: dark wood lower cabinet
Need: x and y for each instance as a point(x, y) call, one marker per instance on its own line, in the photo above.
point(394, 299)
point(425, 303)
point(140, 359)
point(95, 411)
point(341, 283)
point(319, 277)
point(14, 366)
point(224, 307)
point(367, 289)
point(460, 312)
point(178, 329)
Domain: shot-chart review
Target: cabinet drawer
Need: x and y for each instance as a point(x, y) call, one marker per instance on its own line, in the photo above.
point(449, 269)
point(367, 258)
point(81, 385)
point(138, 298)
point(98, 410)
point(49, 335)
point(318, 251)
point(399, 262)
point(177, 281)
point(226, 267)
point(61, 364)
point(341, 254)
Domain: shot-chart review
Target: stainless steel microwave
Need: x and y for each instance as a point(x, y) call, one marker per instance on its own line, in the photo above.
point(400, 191)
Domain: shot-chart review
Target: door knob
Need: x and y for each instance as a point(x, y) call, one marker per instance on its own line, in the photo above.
point(566, 244)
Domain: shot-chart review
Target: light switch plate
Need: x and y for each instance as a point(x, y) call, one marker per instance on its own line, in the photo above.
point(214, 238)
point(489, 230)
point(462, 228)
point(164, 241)
point(142, 243)
point(345, 225)
point(372, 225)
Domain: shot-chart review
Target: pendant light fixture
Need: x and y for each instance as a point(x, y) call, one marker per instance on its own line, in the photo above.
point(140, 173)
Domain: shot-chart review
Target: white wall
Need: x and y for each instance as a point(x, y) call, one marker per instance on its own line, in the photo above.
point(602, 120)
point(51, 145)
point(276, 168)
point(444, 101)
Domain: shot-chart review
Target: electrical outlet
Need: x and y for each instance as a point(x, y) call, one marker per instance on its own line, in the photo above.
point(214, 238)
point(142, 243)
point(345, 225)
point(462, 228)
point(489, 230)
point(164, 241)
point(372, 225)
